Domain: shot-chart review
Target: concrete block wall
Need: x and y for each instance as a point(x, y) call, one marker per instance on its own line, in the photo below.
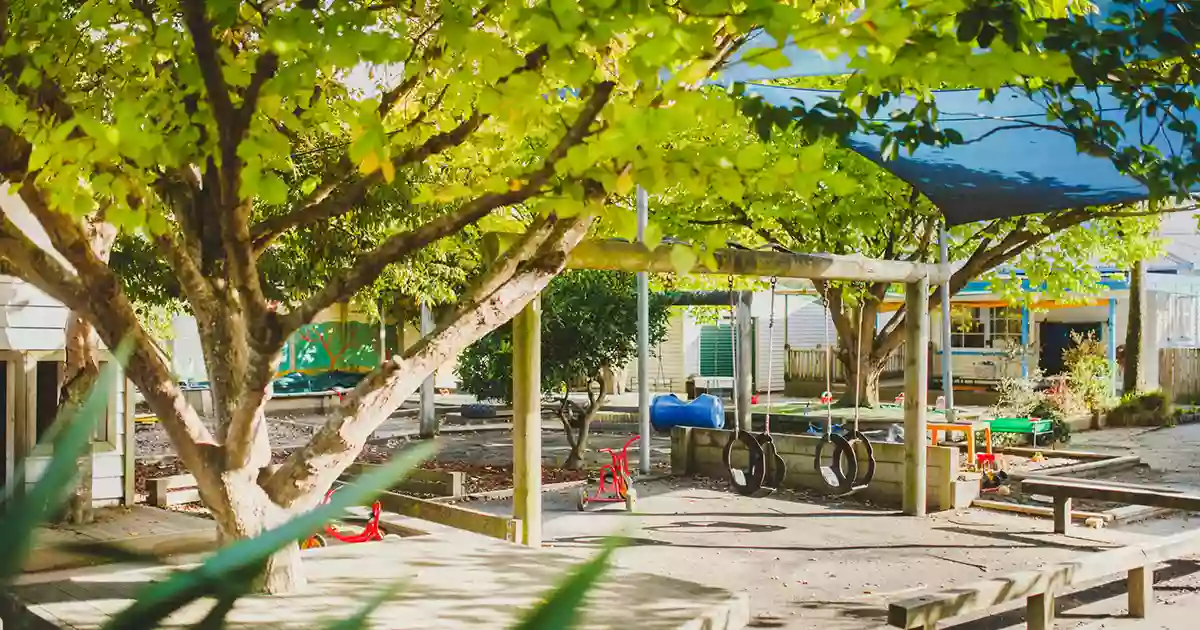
point(700, 452)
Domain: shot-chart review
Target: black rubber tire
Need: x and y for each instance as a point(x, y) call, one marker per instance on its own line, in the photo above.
point(869, 473)
point(477, 411)
point(752, 477)
point(844, 475)
point(776, 467)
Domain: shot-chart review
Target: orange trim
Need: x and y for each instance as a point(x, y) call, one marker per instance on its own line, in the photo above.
point(891, 307)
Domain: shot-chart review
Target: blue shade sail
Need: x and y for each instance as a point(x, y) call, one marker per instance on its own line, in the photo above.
point(1013, 161)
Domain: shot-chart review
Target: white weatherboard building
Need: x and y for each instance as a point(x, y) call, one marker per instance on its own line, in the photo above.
point(32, 342)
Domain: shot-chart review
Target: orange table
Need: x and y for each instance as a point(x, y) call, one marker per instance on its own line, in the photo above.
point(966, 427)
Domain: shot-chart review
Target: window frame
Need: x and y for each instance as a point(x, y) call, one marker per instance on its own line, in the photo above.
point(30, 359)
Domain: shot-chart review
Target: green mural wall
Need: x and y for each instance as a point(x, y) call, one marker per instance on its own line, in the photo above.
point(328, 346)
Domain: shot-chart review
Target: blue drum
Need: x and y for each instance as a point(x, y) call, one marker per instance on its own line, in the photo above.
point(705, 411)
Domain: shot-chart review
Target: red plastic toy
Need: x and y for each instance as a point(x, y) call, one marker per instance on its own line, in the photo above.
point(616, 483)
point(370, 532)
point(826, 398)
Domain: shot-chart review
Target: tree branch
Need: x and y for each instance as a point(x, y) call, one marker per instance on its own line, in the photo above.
point(210, 66)
point(329, 202)
point(370, 265)
point(298, 483)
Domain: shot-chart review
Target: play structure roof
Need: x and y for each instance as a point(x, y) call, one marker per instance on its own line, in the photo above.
point(1013, 160)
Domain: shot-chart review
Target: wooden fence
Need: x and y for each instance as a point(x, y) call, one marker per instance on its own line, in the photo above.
point(1179, 374)
point(808, 364)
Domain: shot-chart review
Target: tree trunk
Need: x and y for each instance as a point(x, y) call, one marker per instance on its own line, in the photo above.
point(249, 513)
point(81, 370)
point(1134, 380)
point(575, 461)
point(867, 376)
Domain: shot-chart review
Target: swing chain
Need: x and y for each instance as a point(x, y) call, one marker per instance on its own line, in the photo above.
point(733, 354)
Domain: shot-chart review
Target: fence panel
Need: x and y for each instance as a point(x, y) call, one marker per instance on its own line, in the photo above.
point(1179, 373)
point(808, 364)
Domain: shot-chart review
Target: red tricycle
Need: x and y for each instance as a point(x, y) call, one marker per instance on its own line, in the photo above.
point(370, 532)
point(615, 483)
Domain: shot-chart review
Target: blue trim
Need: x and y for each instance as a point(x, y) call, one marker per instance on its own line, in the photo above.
point(1024, 342)
point(985, 286)
point(972, 351)
point(1112, 340)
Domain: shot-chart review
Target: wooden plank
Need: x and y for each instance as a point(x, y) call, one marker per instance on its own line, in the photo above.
point(453, 516)
point(927, 610)
point(1037, 510)
point(916, 379)
point(172, 490)
point(634, 257)
point(1062, 514)
point(1039, 612)
point(1081, 489)
point(1100, 464)
point(1140, 584)
point(436, 482)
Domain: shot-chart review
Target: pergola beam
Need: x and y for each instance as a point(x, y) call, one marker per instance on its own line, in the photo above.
point(614, 255)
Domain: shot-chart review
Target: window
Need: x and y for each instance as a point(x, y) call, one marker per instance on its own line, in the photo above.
point(966, 328)
point(1004, 330)
point(47, 392)
point(994, 327)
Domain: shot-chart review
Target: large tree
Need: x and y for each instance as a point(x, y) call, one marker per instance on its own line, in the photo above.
point(589, 331)
point(883, 217)
point(216, 131)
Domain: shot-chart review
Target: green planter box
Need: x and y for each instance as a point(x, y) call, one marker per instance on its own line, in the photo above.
point(1032, 426)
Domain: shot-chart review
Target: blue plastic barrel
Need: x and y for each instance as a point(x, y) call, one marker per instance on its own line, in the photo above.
point(705, 411)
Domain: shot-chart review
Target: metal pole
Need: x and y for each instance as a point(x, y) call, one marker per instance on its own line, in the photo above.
point(643, 340)
point(527, 422)
point(947, 369)
point(428, 424)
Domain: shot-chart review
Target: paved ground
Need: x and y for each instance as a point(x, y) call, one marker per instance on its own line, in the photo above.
point(444, 580)
point(817, 564)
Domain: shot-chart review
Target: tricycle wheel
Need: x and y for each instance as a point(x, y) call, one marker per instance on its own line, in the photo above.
point(582, 500)
point(631, 501)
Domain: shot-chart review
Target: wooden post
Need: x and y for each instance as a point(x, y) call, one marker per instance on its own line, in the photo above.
point(916, 394)
point(428, 416)
point(1141, 591)
point(1039, 612)
point(1062, 514)
point(743, 385)
point(527, 422)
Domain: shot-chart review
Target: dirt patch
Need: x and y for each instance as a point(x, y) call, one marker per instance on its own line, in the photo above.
point(152, 441)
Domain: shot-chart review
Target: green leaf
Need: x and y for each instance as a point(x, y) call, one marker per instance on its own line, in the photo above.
point(361, 618)
point(561, 609)
point(72, 436)
point(272, 190)
point(160, 599)
point(683, 259)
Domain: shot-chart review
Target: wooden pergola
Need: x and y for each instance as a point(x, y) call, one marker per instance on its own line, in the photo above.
point(635, 257)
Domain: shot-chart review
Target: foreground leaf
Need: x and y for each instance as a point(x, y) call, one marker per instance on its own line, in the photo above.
point(159, 600)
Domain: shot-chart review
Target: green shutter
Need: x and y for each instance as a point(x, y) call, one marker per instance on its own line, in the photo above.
point(716, 351)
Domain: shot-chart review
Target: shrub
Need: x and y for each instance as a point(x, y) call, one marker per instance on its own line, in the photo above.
point(1088, 371)
point(1142, 409)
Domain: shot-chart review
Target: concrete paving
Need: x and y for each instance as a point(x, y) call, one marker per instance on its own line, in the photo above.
point(445, 580)
point(813, 563)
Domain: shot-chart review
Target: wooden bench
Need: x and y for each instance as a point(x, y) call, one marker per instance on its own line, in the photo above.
point(1063, 490)
point(1039, 587)
point(172, 490)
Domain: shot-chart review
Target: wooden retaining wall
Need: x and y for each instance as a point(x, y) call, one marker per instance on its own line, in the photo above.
point(700, 452)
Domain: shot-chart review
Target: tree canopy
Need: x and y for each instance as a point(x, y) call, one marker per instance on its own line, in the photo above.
point(314, 151)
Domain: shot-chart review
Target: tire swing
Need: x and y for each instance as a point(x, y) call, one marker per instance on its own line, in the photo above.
point(748, 481)
point(839, 477)
point(860, 482)
point(775, 468)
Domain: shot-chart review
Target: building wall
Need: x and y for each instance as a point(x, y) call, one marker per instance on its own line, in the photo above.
point(33, 326)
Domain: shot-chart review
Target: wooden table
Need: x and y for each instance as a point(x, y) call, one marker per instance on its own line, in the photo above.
point(966, 427)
